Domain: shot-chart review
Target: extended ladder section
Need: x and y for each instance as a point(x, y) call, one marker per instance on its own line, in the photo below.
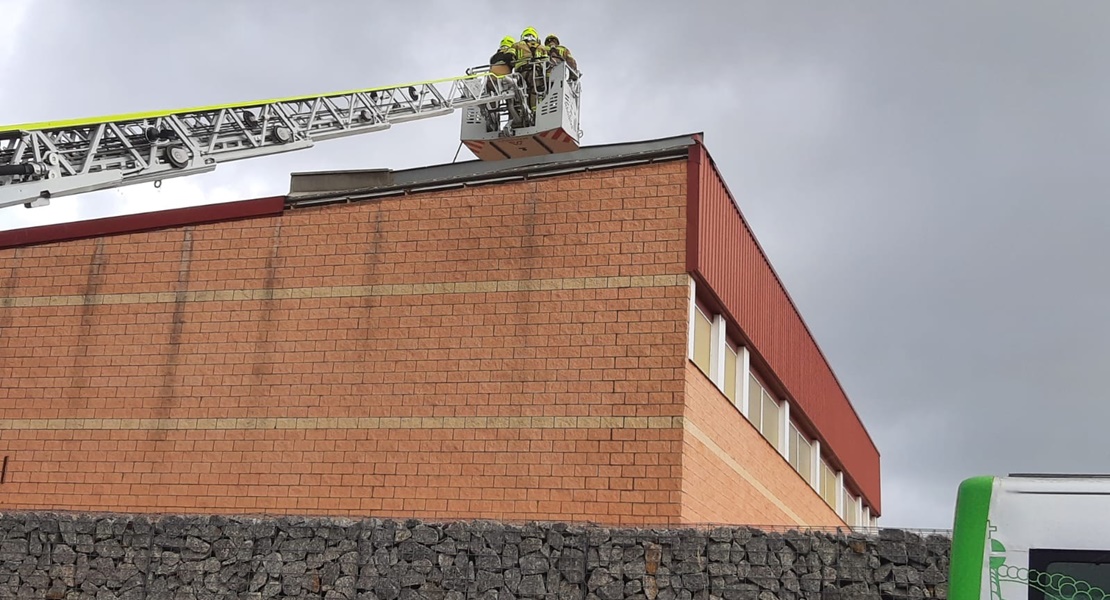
point(43, 160)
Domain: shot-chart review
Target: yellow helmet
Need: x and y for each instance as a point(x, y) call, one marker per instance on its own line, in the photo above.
point(551, 37)
point(507, 41)
point(530, 32)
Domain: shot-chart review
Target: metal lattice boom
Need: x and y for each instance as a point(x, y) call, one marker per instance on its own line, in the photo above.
point(43, 160)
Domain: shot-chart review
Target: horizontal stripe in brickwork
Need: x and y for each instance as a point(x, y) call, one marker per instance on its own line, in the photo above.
point(263, 423)
point(353, 291)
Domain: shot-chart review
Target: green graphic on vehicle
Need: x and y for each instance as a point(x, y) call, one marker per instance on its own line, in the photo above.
point(1054, 586)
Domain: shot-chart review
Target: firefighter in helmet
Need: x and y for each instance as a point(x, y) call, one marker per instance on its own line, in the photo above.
point(506, 57)
point(558, 52)
point(532, 64)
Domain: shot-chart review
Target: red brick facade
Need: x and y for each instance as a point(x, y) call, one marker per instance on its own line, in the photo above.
point(513, 351)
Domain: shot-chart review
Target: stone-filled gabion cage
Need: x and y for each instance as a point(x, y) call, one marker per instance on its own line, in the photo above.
point(172, 557)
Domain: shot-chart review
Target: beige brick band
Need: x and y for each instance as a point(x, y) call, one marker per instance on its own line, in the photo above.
point(739, 469)
point(355, 291)
point(347, 423)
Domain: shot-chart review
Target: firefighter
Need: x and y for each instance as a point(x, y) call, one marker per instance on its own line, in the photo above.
point(531, 64)
point(559, 52)
point(530, 39)
point(506, 57)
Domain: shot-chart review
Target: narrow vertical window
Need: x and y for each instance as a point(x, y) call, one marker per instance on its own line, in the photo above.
point(755, 402)
point(771, 415)
point(703, 341)
point(730, 374)
point(828, 484)
point(800, 452)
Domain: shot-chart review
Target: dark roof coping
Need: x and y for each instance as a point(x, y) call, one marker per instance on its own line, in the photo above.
point(326, 187)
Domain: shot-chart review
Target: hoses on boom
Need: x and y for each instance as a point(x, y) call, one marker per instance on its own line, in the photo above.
point(23, 169)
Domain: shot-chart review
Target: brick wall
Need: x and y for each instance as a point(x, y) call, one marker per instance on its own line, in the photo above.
point(507, 352)
point(731, 474)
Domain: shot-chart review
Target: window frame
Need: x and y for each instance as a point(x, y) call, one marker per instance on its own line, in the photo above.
point(795, 452)
point(697, 313)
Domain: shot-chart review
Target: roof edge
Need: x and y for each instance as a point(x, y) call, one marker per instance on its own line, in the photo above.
point(141, 222)
point(311, 188)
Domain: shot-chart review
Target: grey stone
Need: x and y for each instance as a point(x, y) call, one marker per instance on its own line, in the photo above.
point(197, 547)
point(272, 563)
point(884, 573)
point(64, 555)
point(743, 591)
point(764, 577)
point(455, 578)
point(571, 565)
point(530, 546)
point(447, 546)
point(261, 529)
point(722, 569)
point(599, 577)
point(510, 554)
point(488, 581)
point(329, 573)
point(687, 567)
point(555, 540)
point(799, 542)
point(810, 583)
point(294, 568)
point(488, 560)
point(938, 545)
point(695, 582)
point(611, 591)
point(211, 565)
point(386, 589)
point(634, 569)
point(720, 551)
point(533, 564)
point(410, 550)
point(271, 590)
point(892, 551)
point(568, 591)
point(257, 581)
point(110, 548)
point(916, 551)
point(907, 575)
point(512, 579)
point(225, 549)
point(532, 586)
point(933, 576)
point(775, 542)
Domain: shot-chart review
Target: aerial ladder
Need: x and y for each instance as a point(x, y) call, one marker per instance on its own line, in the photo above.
point(40, 161)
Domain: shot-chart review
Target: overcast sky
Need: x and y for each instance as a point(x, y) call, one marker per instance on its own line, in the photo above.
point(929, 178)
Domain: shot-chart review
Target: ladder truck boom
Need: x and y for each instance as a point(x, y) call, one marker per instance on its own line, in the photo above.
point(40, 161)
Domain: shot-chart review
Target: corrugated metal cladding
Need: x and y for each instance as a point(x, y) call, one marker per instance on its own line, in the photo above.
point(725, 254)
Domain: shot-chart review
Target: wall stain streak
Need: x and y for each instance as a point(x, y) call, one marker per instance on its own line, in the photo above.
point(79, 353)
point(168, 390)
point(262, 352)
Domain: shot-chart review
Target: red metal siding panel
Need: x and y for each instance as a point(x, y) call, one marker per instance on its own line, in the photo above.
point(727, 258)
